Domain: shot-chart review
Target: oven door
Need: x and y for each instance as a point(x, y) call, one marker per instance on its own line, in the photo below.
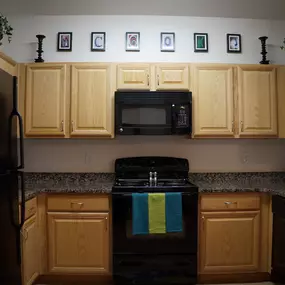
point(143, 119)
point(124, 242)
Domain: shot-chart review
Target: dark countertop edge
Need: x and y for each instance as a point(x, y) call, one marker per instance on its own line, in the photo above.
point(31, 194)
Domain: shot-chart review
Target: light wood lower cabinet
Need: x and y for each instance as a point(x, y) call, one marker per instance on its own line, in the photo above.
point(229, 242)
point(30, 251)
point(78, 242)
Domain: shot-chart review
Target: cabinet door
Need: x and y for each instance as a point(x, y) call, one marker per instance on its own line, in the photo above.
point(30, 251)
point(45, 100)
point(91, 100)
point(257, 101)
point(174, 76)
point(78, 243)
point(229, 242)
point(133, 76)
point(278, 250)
point(213, 96)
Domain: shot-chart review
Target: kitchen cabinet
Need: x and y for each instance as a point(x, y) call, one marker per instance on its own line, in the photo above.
point(172, 76)
point(133, 76)
point(213, 99)
point(257, 93)
point(92, 94)
point(8, 64)
point(230, 242)
point(278, 251)
point(78, 242)
point(45, 100)
point(30, 248)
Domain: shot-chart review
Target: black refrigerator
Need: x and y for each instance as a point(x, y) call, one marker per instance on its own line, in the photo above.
point(11, 182)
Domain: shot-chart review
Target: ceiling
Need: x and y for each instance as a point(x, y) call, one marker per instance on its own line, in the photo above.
point(255, 9)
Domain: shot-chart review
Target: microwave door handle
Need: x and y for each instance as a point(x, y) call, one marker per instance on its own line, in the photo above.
point(173, 119)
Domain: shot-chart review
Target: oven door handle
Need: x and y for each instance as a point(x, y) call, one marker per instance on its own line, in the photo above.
point(130, 194)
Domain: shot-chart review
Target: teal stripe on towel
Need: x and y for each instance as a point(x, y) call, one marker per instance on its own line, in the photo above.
point(140, 213)
point(173, 212)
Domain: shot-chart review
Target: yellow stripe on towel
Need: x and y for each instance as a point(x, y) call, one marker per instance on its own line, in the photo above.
point(156, 213)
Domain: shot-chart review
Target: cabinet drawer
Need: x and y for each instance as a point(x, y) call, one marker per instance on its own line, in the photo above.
point(214, 202)
point(78, 203)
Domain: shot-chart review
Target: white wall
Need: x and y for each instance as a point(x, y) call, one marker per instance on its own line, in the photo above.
point(23, 47)
point(236, 155)
point(99, 155)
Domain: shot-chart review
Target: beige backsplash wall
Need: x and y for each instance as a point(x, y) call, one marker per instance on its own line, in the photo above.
point(211, 155)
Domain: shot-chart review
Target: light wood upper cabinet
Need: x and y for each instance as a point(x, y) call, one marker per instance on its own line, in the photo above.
point(92, 100)
point(172, 76)
point(8, 64)
point(213, 97)
point(257, 92)
point(30, 251)
point(45, 100)
point(135, 76)
point(229, 242)
point(78, 242)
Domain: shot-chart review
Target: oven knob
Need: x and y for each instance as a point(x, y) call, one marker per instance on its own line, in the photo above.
point(121, 130)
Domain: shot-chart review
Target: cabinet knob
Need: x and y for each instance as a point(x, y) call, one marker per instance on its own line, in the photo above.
point(121, 130)
point(62, 125)
point(241, 126)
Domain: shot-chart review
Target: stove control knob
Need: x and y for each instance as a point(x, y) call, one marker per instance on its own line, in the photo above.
point(121, 130)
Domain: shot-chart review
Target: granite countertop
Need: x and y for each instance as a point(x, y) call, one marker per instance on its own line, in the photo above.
point(269, 182)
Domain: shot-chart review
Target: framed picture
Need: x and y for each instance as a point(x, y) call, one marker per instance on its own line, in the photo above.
point(64, 42)
point(98, 41)
point(167, 42)
point(233, 43)
point(200, 42)
point(132, 41)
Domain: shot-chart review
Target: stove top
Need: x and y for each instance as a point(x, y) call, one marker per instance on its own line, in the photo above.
point(132, 175)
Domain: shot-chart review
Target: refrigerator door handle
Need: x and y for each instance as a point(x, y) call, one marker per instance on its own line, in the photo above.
point(23, 206)
point(13, 114)
point(21, 131)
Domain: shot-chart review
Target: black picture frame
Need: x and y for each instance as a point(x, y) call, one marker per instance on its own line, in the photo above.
point(229, 48)
point(127, 48)
point(102, 34)
point(198, 49)
point(162, 46)
point(59, 47)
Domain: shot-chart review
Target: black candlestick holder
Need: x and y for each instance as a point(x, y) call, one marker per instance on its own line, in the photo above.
point(40, 48)
point(263, 50)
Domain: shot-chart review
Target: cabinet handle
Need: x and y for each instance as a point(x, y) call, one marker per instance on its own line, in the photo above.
point(233, 127)
point(72, 126)
point(229, 203)
point(148, 80)
point(76, 203)
point(157, 80)
point(106, 224)
point(62, 125)
point(241, 126)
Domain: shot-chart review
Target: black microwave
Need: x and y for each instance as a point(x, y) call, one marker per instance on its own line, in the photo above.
point(153, 113)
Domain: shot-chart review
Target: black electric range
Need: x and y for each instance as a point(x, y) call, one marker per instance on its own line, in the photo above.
point(169, 258)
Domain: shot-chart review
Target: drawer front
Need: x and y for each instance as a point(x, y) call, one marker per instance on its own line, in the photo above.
point(78, 203)
point(227, 202)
